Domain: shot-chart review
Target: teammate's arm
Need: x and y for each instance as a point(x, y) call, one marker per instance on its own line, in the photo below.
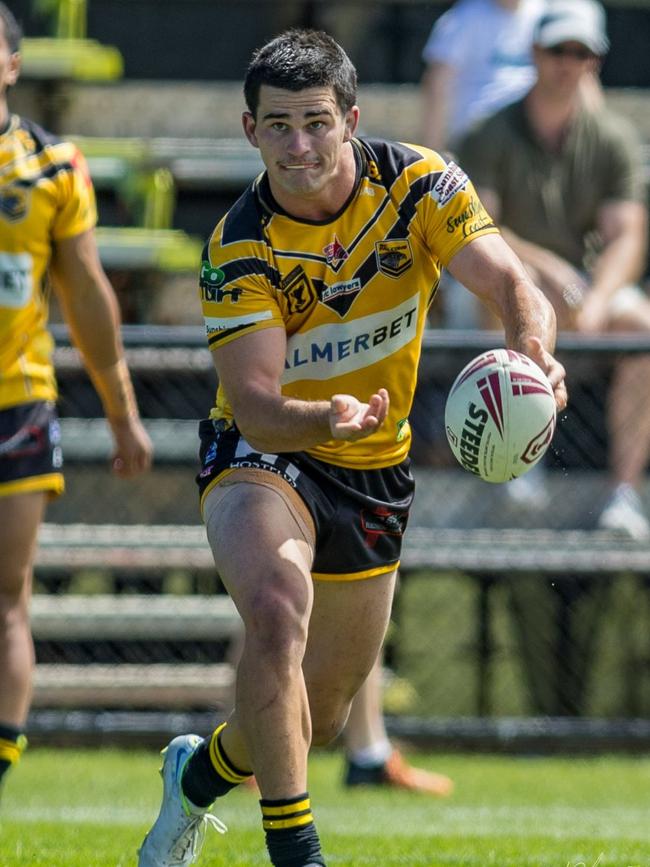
point(91, 311)
point(250, 370)
point(490, 269)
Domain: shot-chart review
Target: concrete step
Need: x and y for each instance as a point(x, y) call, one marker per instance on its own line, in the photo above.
point(162, 686)
point(133, 617)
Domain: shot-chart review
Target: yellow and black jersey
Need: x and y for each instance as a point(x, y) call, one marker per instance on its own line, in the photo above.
point(351, 292)
point(45, 196)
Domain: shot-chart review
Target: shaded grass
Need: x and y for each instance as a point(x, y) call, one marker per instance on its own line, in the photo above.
point(91, 809)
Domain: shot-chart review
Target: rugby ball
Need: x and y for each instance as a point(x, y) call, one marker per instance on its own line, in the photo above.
point(500, 415)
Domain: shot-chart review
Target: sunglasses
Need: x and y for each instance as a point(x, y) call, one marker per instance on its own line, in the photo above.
point(575, 53)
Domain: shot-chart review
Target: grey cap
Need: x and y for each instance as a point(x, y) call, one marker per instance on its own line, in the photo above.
point(573, 21)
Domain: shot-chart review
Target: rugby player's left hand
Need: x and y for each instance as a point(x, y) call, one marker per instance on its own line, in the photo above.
point(133, 449)
point(350, 419)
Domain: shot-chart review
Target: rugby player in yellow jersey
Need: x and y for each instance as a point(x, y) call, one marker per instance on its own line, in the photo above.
point(47, 215)
point(315, 288)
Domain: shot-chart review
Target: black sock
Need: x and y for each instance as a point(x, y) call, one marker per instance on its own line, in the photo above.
point(359, 775)
point(209, 773)
point(12, 744)
point(291, 836)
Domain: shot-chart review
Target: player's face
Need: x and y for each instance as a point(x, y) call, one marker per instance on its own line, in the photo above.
point(9, 63)
point(302, 139)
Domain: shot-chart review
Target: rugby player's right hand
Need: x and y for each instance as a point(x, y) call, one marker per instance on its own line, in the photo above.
point(133, 451)
point(350, 419)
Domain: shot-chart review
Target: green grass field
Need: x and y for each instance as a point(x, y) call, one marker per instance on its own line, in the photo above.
point(91, 809)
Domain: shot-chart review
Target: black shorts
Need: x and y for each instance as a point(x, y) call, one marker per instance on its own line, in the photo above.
point(30, 449)
point(359, 515)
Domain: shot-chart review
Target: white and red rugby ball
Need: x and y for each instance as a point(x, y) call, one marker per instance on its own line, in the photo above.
point(500, 415)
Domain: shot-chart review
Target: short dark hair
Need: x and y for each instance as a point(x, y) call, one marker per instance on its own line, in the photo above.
point(297, 59)
point(13, 32)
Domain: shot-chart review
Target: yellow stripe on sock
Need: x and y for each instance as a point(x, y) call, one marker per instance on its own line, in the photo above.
point(286, 809)
point(10, 751)
point(219, 761)
point(294, 822)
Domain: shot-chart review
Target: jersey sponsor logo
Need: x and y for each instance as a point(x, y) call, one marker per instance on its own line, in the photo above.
point(13, 203)
point(394, 257)
point(299, 292)
point(210, 275)
point(257, 463)
point(218, 295)
point(403, 430)
point(210, 282)
point(381, 522)
point(473, 209)
point(335, 254)
point(340, 296)
point(450, 182)
point(332, 350)
point(246, 456)
point(477, 225)
point(471, 220)
point(15, 279)
point(214, 324)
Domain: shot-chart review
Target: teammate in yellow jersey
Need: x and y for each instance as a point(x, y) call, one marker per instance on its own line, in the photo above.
point(315, 288)
point(47, 215)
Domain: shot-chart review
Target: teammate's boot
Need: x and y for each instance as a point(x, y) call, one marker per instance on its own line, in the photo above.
point(177, 835)
point(397, 773)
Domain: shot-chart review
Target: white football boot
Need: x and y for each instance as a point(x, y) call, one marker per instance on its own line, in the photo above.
point(177, 835)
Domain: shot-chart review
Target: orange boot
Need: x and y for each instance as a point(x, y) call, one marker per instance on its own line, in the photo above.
point(397, 773)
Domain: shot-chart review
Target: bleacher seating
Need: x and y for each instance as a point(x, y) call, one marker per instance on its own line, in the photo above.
point(70, 60)
point(131, 617)
point(68, 55)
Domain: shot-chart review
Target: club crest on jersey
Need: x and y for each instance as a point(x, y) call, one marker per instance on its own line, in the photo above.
point(394, 257)
point(340, 296)
point(13, 203)
point(335, 254)
point(298, 290)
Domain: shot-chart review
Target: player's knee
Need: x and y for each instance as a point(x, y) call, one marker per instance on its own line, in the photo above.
point(327, 728)
point(328, 717)
point(13, 589)
point(276, 623)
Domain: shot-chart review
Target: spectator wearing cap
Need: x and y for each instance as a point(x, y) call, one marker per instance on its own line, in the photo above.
point(570, 200)
point(477, 58)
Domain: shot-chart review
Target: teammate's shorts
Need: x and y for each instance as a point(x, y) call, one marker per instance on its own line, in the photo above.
point(359, 515)
point(30, 449)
